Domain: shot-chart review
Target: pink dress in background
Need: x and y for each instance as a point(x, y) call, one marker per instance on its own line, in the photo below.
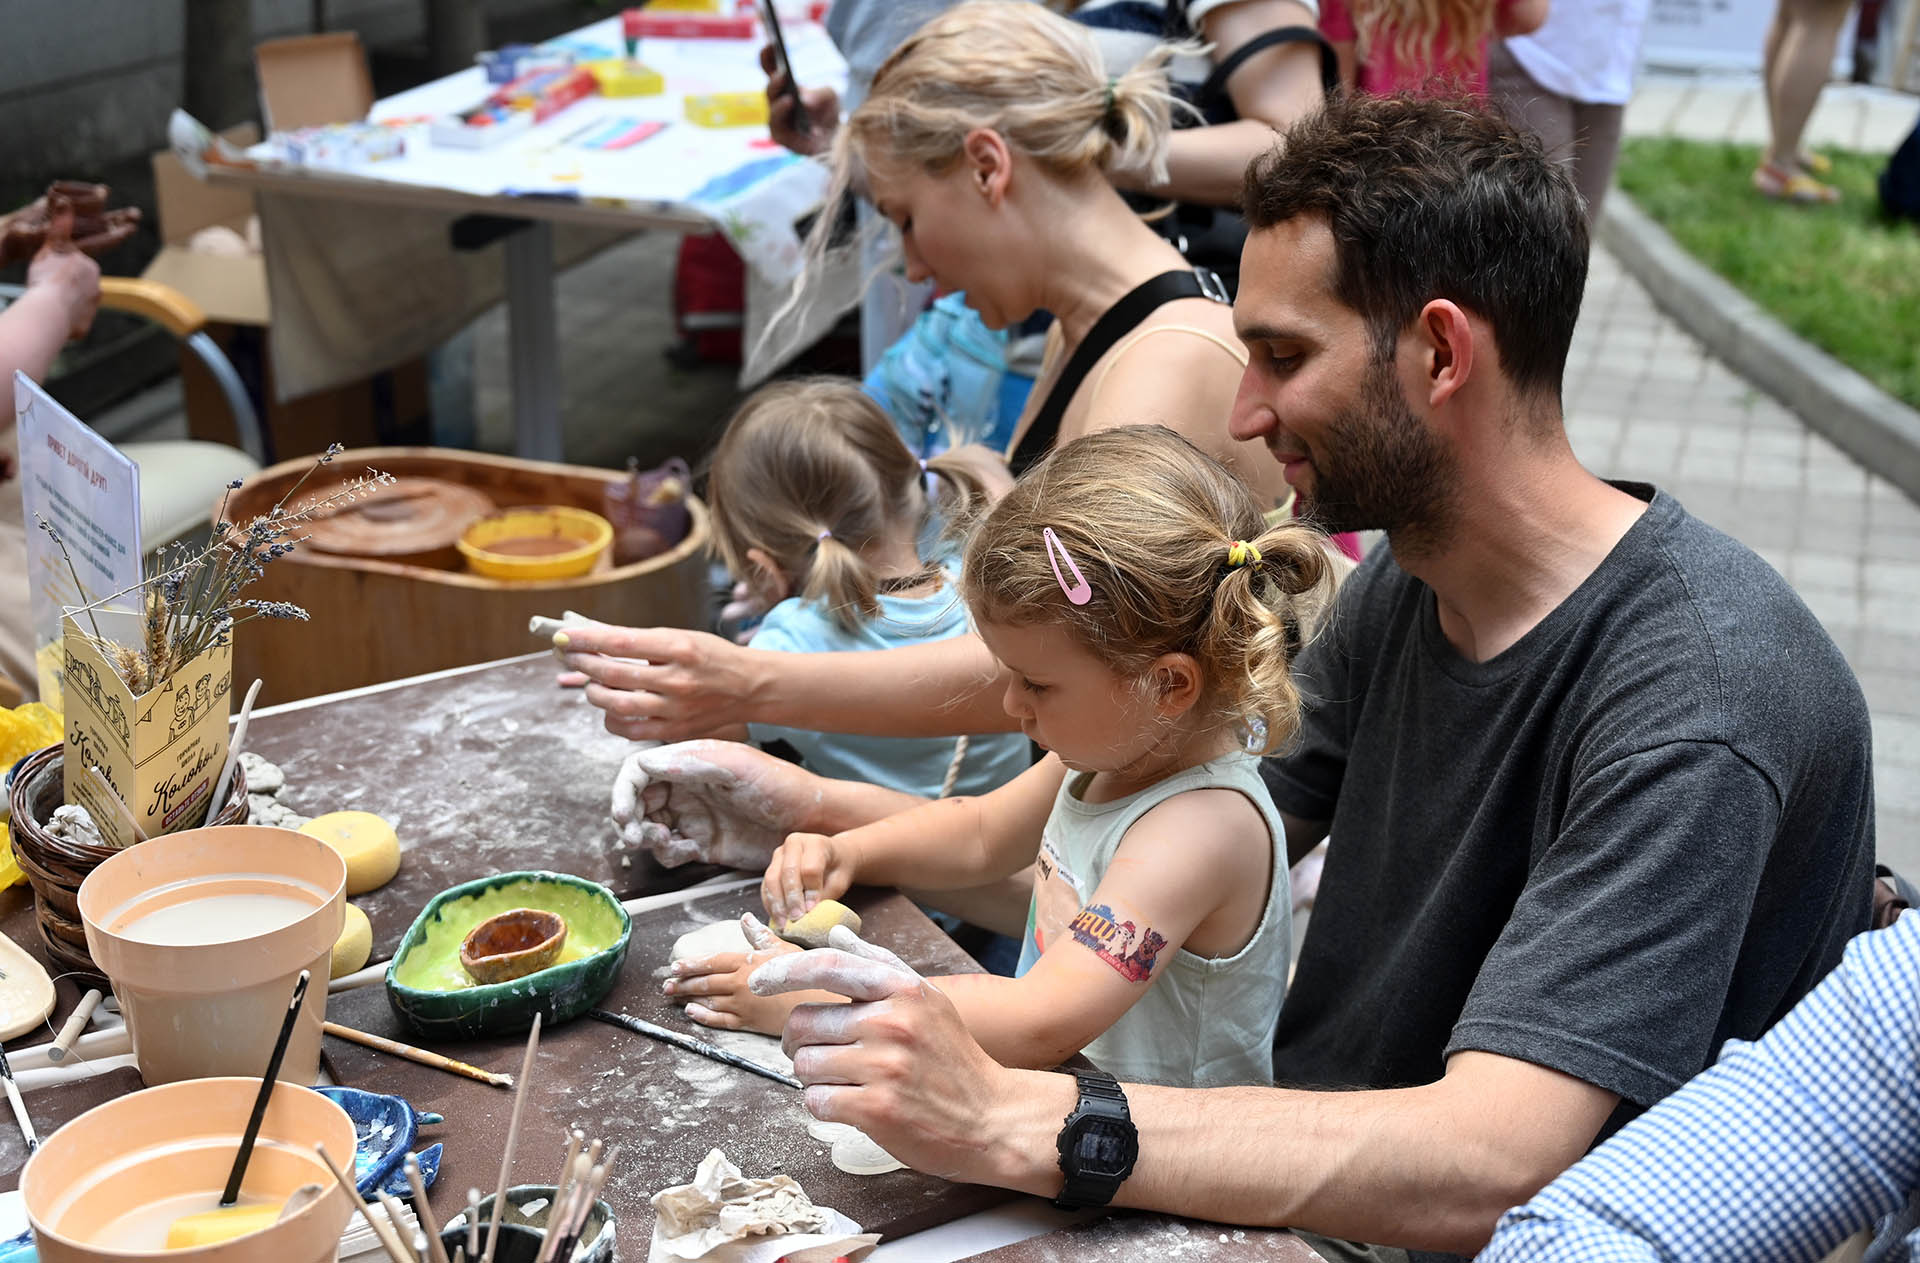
point(1381, 72)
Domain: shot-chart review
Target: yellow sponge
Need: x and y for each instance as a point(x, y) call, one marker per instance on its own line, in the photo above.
point(355, 945)
point(366, 842)
point(812, 928)
point(211, 1227)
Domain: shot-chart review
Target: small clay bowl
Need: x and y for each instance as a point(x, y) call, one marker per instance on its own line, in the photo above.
point(513, 944)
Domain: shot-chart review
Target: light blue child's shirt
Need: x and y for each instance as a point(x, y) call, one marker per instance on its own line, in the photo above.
point(914, 765)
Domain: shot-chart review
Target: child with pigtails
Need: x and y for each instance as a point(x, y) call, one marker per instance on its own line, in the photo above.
point(1147, 616)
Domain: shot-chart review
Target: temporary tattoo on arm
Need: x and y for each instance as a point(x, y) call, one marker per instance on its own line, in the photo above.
point(1130, 949)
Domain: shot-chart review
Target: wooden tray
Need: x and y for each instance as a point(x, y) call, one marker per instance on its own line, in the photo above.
point(665, 1108)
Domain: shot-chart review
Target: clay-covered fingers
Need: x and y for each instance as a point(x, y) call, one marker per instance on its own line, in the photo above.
point(860, 978)
point(704, 976)
point(758, 934)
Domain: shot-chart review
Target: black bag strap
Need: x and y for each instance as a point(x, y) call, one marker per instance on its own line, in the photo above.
point(1216, 84)
point(1114, 323)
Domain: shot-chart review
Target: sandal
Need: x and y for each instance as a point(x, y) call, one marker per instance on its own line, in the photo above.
point(1814, 163)
point(1792, 186)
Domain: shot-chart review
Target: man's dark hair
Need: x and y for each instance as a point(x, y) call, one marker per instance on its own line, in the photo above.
point(1436, 198)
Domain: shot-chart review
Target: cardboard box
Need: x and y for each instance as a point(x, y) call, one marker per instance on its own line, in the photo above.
point(160, 750)
point(388, 408)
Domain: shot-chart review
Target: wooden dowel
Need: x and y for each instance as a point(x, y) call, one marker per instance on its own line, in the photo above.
point(513, 1137)
point(423, 1210)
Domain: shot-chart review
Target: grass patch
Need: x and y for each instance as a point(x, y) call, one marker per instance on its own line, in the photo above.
point(1841, 277)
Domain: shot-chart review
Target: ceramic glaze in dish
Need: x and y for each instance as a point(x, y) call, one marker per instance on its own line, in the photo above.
point(216, 919)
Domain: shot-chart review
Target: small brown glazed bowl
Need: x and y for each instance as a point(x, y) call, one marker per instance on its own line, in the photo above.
point(513, 944)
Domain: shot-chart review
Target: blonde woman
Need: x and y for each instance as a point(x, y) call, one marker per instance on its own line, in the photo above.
point(988, 140)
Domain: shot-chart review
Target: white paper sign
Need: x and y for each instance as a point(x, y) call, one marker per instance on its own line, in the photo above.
point(91, 493)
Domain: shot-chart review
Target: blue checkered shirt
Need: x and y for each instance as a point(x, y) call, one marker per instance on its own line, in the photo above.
point(1781, 1150)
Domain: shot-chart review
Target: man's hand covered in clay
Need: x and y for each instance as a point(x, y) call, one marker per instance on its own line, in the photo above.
point(897, 1063)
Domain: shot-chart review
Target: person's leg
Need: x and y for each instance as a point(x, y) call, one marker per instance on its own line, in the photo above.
point(1528, 105)
point(1801, 43)
point(1596, 147)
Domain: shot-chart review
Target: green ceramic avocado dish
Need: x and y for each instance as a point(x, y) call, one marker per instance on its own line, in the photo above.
point(432, 993)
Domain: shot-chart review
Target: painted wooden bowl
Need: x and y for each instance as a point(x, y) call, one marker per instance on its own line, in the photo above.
point(513, 944)
point(432, 992)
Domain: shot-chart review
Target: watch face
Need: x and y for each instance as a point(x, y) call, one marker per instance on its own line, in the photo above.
point(1103, 1146)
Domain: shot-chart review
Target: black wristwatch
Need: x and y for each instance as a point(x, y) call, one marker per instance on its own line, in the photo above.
point(1098, 1144)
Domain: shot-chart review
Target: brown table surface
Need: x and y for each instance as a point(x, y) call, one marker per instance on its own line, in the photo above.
point(665, 1107)
point(1131, 1235)
point(483, 770)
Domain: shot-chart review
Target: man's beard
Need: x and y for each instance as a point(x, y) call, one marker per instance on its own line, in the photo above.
point(1379, 468)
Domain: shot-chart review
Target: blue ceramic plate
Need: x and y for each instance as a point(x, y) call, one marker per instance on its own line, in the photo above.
point(385, 1128)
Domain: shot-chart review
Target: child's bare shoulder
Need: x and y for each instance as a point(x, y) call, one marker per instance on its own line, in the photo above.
point(1201, 822)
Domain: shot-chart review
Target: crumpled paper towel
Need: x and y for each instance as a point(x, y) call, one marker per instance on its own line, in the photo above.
point(724, 1217)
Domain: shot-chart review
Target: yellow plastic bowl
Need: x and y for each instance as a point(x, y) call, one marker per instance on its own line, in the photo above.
point(585, 536)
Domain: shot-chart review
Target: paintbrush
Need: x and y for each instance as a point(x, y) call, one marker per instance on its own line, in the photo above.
point(513, 1136)
point(19, 1106)
point(230, 1219)
point(105, 786)
point(219, 798)
point(423, 1210)
point(640, 1026)
point(387, 1232)
point(575, 1139)
point(82, 1013)
point(421, 1055)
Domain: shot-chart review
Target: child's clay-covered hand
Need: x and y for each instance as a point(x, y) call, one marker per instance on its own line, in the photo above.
point(714, 988)
point(715, 802)
point(807, 868)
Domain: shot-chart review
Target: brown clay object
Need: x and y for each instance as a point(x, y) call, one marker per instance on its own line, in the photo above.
point(513, 944)
point(414, 521)
point(811, 928)
point(88, 225)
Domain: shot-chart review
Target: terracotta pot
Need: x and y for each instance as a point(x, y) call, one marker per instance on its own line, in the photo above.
point(213, 1006)
point(165, 1152)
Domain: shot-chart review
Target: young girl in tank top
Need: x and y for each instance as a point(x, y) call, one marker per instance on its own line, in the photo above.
point(836, 530)
point(1146, 617)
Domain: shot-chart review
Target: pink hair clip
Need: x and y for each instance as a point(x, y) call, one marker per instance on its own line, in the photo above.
point(1081, 592)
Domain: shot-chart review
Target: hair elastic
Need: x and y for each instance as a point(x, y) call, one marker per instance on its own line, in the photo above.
point(1112, 83)
point(1081, 592)
point(823, 536)
point(1241, 553)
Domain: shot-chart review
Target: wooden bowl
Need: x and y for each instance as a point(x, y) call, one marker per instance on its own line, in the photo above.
point(513, 944)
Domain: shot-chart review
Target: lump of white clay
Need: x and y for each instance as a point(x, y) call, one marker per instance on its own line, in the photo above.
point(262, 777)
point(828, 1133)
point(711, 940)
point(811, 929)
point(856, 1154)
point(71, 823)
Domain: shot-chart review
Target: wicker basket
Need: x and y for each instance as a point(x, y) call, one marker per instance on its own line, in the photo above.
point(55, 867)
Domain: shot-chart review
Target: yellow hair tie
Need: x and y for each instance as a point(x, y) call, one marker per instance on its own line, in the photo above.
point(1241, 553)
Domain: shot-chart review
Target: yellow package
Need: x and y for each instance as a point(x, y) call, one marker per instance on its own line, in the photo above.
point(24, 729)
point(727, 109)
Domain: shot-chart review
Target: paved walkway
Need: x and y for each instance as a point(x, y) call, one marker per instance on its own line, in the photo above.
point(1730, 107)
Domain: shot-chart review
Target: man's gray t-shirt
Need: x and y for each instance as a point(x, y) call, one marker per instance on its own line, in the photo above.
point(1645, 828)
